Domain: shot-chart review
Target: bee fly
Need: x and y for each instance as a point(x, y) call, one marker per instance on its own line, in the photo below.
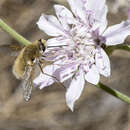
point(23, 67)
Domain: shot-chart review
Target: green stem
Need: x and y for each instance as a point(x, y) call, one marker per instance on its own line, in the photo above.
point(115, 93)
point(110, 49)
point(13, 33)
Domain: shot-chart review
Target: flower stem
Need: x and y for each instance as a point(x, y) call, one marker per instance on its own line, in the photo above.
point(110, 49)
point(114, 93)
point(13, 33)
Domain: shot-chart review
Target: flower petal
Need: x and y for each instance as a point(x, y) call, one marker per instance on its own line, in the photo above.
point(66, 72)
point(77, 6)
point(75, 89)
point(99, 11)
point(116, 34)
point(93, 75)
point(102, 62)
point(58, 41)
point(64, 16)
point(50, 25)
point(43, 80)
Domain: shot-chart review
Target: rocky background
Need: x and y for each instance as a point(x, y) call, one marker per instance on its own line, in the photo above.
point(47, 110)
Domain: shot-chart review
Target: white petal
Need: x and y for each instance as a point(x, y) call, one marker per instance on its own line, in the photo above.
point(103, 62)
point(66, 72)
point(64, 16)
point(43, 80)
point(50, 25)
point(93, 75)
point(77, 6)
point(75, 89)
point(116, 34)
point(58, 41)
point(99, 10)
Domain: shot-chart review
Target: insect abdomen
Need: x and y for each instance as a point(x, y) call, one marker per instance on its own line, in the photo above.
point(19, 66)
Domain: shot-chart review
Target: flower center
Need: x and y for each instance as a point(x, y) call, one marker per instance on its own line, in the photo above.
point(85, 42)
point(83, 47)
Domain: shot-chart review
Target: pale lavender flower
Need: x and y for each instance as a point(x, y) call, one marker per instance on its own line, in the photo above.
point(84, 32)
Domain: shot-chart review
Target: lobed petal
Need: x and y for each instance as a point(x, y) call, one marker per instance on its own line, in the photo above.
point(64, 16)
point(44, 80)
point(77, 7)
point(116, 34)
point(93, 76)
point(66, 72)
point(102, 62)
point(58, 41)
point(75, 89)
point(99, 11)
point(50, 25)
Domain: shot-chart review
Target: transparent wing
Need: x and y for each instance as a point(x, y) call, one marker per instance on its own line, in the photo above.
point(11, 50)
point(13, 47)
point(27, 82)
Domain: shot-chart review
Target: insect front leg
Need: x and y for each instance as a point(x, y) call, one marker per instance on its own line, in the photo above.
point(52, 76)
point(44, 62)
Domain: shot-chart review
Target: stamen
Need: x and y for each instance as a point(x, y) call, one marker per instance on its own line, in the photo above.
point(56, 46)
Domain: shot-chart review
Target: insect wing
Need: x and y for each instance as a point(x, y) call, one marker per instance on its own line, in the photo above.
point(27, 89)
point(27, 82)
point(11, 50)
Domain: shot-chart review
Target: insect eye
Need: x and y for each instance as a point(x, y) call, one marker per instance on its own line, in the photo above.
point(40, 40)
point(42, 47)
point(32, 59)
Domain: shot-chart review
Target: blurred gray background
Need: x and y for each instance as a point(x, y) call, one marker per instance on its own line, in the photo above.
point(47, 110)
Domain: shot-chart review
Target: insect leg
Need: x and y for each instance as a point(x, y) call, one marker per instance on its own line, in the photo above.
point(50, 75)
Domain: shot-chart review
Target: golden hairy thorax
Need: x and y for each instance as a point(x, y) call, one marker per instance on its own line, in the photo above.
point(26, 57)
